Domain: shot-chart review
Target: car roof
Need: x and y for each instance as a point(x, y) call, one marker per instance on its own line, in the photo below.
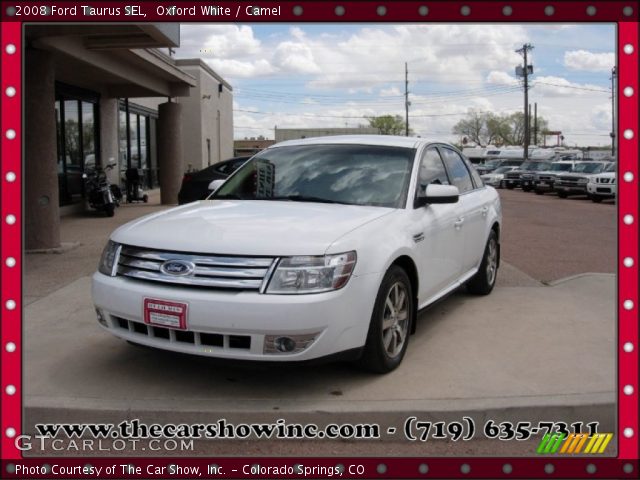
point(383, 140)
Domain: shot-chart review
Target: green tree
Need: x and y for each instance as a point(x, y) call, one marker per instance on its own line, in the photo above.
point(389, 124)
point(486, 128)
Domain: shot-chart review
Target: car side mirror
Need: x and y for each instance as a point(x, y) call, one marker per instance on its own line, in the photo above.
point(215, 184)
point(434, 193)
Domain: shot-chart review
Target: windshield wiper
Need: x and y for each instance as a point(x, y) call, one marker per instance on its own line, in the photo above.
point(305, 198)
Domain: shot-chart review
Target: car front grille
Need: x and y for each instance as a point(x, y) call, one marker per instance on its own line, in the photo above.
point(215, 340)
point(207, 270)
point(512, 176)
point(569, 181)
point(546, 178)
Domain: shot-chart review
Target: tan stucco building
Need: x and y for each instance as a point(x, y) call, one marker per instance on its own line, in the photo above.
point(99, 94)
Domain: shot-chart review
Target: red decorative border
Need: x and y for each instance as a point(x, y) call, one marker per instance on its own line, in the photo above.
point(365, 11)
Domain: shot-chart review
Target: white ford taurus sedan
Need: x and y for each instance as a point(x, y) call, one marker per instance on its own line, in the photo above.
point(322, 247)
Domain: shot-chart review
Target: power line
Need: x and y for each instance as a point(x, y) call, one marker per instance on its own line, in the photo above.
point(571, 86)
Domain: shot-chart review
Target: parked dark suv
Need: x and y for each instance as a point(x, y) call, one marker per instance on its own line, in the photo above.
point(525, 174)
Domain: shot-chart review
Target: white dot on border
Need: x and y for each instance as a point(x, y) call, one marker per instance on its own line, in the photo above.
point(628, 219)
point(10, 177)
point(628, 432)
point(628, 262)
point(10, 91)
point(10, 347)
point(627, 11)
point(465, 468)
point(628, 389)
point(423, 10)
point(339, 10)
point(11, 219)
point(591, 468)
point(381, 10)
point(10, 262)
point(591, 10)
point(628, 91)
point(465, 10)
point(10, 390)
point(507, 10)
point(628, 304)
point(628, 176)
point(549, 468)
point(628, 134)
point(423, 468)
point(507, 468)
point(549, 10)
point(10, 432)
point(297, 10)
point(628, 49)
point(628, 347)
point(10, 49)
point(10, 304)
point(11, 134)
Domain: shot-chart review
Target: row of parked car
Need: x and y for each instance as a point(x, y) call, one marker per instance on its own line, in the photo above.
point(595, 179)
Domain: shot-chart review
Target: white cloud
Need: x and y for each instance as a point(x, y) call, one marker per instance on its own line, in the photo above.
point(240, 69)
point(501, 78)
point(390, 92)
point(218, 41)
point(552, 86)
point(589, 61)
point(295, 57)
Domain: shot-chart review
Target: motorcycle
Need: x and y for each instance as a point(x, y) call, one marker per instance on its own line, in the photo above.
point(100, 194)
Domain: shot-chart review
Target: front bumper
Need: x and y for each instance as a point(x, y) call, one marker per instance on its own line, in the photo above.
point(572, 189)
point(234, 324)
point(601, 189)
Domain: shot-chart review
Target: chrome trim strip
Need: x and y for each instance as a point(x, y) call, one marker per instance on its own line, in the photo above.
point(116, 259)
point(201, 259)
point(268, 275)
point(191, 281)
point(230, 272)
point(135, 263)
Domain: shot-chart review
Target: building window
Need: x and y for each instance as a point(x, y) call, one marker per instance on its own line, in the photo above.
point(77, 139)
point(137, 127)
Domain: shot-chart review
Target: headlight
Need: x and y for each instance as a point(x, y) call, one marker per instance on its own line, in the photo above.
point(108, 258)
point(306, 274)
point(592, 180)
point(583, 181)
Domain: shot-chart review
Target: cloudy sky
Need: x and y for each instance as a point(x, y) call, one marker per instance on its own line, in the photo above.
point(332, 75)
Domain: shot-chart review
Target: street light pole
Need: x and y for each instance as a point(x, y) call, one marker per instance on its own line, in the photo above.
point(613, 113)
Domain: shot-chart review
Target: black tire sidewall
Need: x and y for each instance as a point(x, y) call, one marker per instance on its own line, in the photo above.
point(375, 357)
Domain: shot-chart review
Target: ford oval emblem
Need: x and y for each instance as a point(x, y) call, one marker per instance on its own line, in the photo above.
point(177, 268)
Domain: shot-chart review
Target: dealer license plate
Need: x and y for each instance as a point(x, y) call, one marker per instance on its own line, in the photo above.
point(165, 314)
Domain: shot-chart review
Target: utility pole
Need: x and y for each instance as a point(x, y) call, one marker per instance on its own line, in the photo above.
point(613, 112)
point(530, 122)
point(406, 100)
point(525, 73)
point(535, 123)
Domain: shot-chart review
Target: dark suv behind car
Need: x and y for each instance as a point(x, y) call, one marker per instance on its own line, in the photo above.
point(195, 186)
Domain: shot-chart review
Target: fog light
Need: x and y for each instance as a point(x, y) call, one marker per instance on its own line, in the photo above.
point(287, 344)
point(101, 318)
point(284, 344)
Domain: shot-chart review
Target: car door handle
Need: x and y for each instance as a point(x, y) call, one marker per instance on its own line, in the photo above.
point(458, 223)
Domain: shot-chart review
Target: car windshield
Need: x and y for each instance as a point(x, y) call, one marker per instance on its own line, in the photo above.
point(350, 174)
point(610, 168)
point(503, 170)
point(561, 167)
point(588, 167)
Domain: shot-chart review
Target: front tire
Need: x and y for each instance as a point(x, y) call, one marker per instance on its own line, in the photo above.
point(562, 195)
point(390, 325)
point(596, 199)
point(484, 280)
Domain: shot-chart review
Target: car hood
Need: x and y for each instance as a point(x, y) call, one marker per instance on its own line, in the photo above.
point(578, 175)
point(248, 227)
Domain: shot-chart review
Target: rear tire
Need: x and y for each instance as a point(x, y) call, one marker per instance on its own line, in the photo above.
point(562, 195)
point(526, 189)
point(110, 209)
point(510, 187)
point(390, 325)
point(539, 192)
point(485, 278)
point(145, 198)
